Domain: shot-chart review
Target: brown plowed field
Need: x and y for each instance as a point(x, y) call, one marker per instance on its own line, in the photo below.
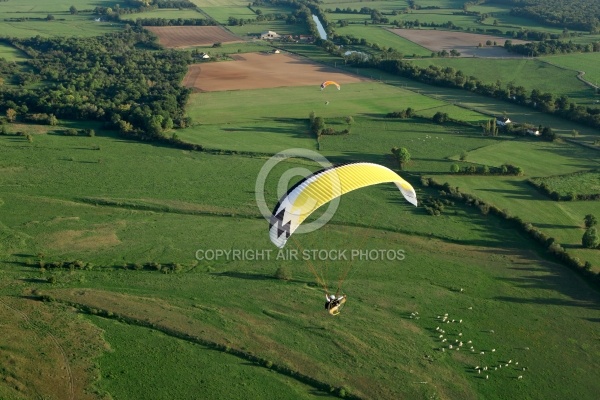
point(261, 70)
point(467, 44)
point(186, 36)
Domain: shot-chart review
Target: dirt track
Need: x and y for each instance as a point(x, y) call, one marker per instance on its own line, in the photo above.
point(261, 70)
point(467, 44)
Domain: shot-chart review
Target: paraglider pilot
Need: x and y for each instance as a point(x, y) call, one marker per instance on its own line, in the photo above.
point(333, 303)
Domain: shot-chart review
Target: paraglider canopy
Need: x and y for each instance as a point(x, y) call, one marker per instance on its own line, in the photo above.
point(327, 83)
point(323, 186)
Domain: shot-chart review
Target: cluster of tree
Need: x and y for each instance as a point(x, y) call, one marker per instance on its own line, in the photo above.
point(49, 17)
point(435, 206)
point(81, 265)
point(111, 78)
point(417, 24)
point(546, 132)
point(526, 34)
point(579, 14)
point(547, 242)
point(590, 239)
point(504, 169)
point(174, 4)
point(174, 22)
point(318, 127)
point(552, 46)
point(445, 53)
point(37, 118)
point(541, 185)
point(84, 132)
point(7, 67)
point(402, 114)
point(401, 155)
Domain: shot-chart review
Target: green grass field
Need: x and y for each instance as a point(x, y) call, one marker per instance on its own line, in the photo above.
point(511, 290)
point(207, 373)
point(199, 331)
point(531, 74)
point(584, 183)
point(586, 62)
point(383, 37)
point(65, 24)
point(11, 54)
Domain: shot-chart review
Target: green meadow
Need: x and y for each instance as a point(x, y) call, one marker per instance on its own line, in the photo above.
point(587, 183)
point(586, 62)
point(64, 23)
point(529, 73)
point(383, 37)
point(564, 220)
point(207, 202)
point(455, 306)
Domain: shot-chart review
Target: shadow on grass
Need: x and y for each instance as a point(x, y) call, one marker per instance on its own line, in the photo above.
point(253, 277)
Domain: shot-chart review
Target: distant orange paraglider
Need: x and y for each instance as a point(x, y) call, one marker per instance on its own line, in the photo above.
point(327, 83)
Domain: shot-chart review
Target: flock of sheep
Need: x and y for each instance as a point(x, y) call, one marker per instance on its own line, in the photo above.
point(454, 341)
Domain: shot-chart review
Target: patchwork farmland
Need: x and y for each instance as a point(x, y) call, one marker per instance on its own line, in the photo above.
point(135, 258)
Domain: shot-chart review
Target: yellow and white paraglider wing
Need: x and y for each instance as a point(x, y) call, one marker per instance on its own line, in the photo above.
point(323, 186)
point(327, 83)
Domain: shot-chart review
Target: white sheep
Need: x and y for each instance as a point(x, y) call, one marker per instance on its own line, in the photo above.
point(520, 377)
point(443, 340)
point(470, 308)
point(441, 336)
point(460, 334)
point(469, 342)
point(460, 321)
point(487, 377)
point(483, 352)
point(493, 350)
point(509, 361)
